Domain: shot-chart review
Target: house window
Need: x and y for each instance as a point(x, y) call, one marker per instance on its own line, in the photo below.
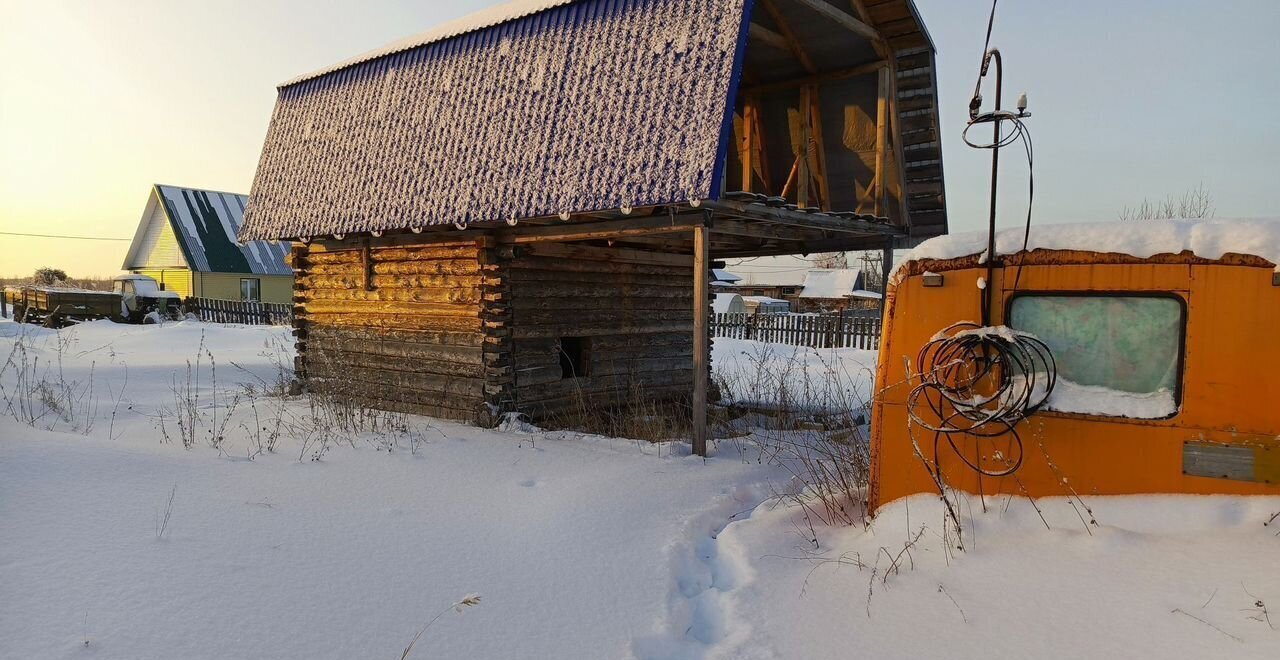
point(250, 288)
point(574, 357)
point(1117, 355)
point(788, 290)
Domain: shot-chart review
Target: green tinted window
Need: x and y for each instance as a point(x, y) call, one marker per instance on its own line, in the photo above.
point(1125, 343)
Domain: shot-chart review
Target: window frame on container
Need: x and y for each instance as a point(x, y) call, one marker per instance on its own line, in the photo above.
point(257, 288)
point(1184, 320)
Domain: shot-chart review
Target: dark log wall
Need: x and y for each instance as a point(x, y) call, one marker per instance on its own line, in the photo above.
point(467, 330)
point(396, 324)
point(632, 310)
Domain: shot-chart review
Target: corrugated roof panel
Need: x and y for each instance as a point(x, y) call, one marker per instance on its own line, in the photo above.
point(584, 106)
point(206, 223)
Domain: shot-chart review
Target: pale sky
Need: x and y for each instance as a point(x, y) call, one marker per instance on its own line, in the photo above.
point(101, 98)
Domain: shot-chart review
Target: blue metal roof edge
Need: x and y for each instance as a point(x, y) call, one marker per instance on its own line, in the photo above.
point(716, 189)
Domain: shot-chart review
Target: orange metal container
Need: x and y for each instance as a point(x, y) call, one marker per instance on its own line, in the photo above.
point(1230, 381)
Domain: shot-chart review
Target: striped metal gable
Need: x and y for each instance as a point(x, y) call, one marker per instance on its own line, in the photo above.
point(580, 106)
point(206, 224)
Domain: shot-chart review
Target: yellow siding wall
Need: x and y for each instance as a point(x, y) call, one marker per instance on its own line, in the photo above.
point(177, 281)
point(226, 286)
point(159, 246)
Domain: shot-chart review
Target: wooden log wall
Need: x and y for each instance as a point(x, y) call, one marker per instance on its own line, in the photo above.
point(633, 309)
point(402, 324)
point(468, 330)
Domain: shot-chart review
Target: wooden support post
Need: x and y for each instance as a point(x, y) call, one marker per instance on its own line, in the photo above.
point(820, 152)
point(803, 171)
point(882, 139)
point(4, 304)
point(886, 267)
point(748, 142)
point(701, 338)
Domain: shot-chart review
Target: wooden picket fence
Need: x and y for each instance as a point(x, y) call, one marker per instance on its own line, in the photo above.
point(247, 312)
point(848, 330)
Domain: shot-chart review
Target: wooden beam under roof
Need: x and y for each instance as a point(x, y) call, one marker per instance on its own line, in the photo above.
point(767, 36)
point(785, 216)
point(817, 79)
point(841, 18)
point(792, 41)
point(601, 230)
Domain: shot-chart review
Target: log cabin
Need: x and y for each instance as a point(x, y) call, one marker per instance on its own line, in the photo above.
point(518, 211)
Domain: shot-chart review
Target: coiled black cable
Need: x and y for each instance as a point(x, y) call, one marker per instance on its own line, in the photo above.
point(980, 382)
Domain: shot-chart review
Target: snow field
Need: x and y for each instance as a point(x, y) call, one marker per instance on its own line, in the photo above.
point(581, 546)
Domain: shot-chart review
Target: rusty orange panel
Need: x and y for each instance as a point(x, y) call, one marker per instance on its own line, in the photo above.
point(1230, 386)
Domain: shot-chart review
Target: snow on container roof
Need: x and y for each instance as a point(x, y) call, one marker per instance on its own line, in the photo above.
point(1207, 239)
point(528, 111)
point(831, 283)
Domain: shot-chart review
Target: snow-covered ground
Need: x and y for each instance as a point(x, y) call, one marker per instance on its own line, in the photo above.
point(792, 377)
point(580, 546)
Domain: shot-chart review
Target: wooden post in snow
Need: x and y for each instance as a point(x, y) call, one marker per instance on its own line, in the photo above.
point(701, 343)
point(886, 266)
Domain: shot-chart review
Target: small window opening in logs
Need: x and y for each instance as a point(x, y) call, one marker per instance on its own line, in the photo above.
point(575, 357)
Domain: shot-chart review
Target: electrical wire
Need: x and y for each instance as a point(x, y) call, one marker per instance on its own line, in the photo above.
point(78, 238)
point(980, 383)
point(1020, 133)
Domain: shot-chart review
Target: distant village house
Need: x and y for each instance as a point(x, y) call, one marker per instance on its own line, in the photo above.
point(186, 242)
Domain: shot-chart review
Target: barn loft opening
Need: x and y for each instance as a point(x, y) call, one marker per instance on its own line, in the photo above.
point(835, 111)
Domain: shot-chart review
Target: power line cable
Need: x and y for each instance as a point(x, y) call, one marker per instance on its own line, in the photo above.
point(77, 238)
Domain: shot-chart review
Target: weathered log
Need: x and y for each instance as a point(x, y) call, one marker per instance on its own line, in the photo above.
point(556, 264)
point(431, 267)
point(639, 301)
point(467, 295)
point(382, 381)
point(426, 339)
point(572, 289)
point(407, 402)
point(411, 309)
point(338, 359)
point(395, 321)
point(622, 320)
point(577, 253)
point(575, 330)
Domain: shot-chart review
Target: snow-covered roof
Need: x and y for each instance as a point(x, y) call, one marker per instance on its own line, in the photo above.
point(831, 283)
point(722, 275)
point(1208, 239)
point(723, 303)
point(479, 20)
point(863, 293)
point(763, 299)
point(526, 110)
point(205, 224)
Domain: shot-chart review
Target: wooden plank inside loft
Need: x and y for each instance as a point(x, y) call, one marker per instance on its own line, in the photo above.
point(766, 36)
point(882, 137)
